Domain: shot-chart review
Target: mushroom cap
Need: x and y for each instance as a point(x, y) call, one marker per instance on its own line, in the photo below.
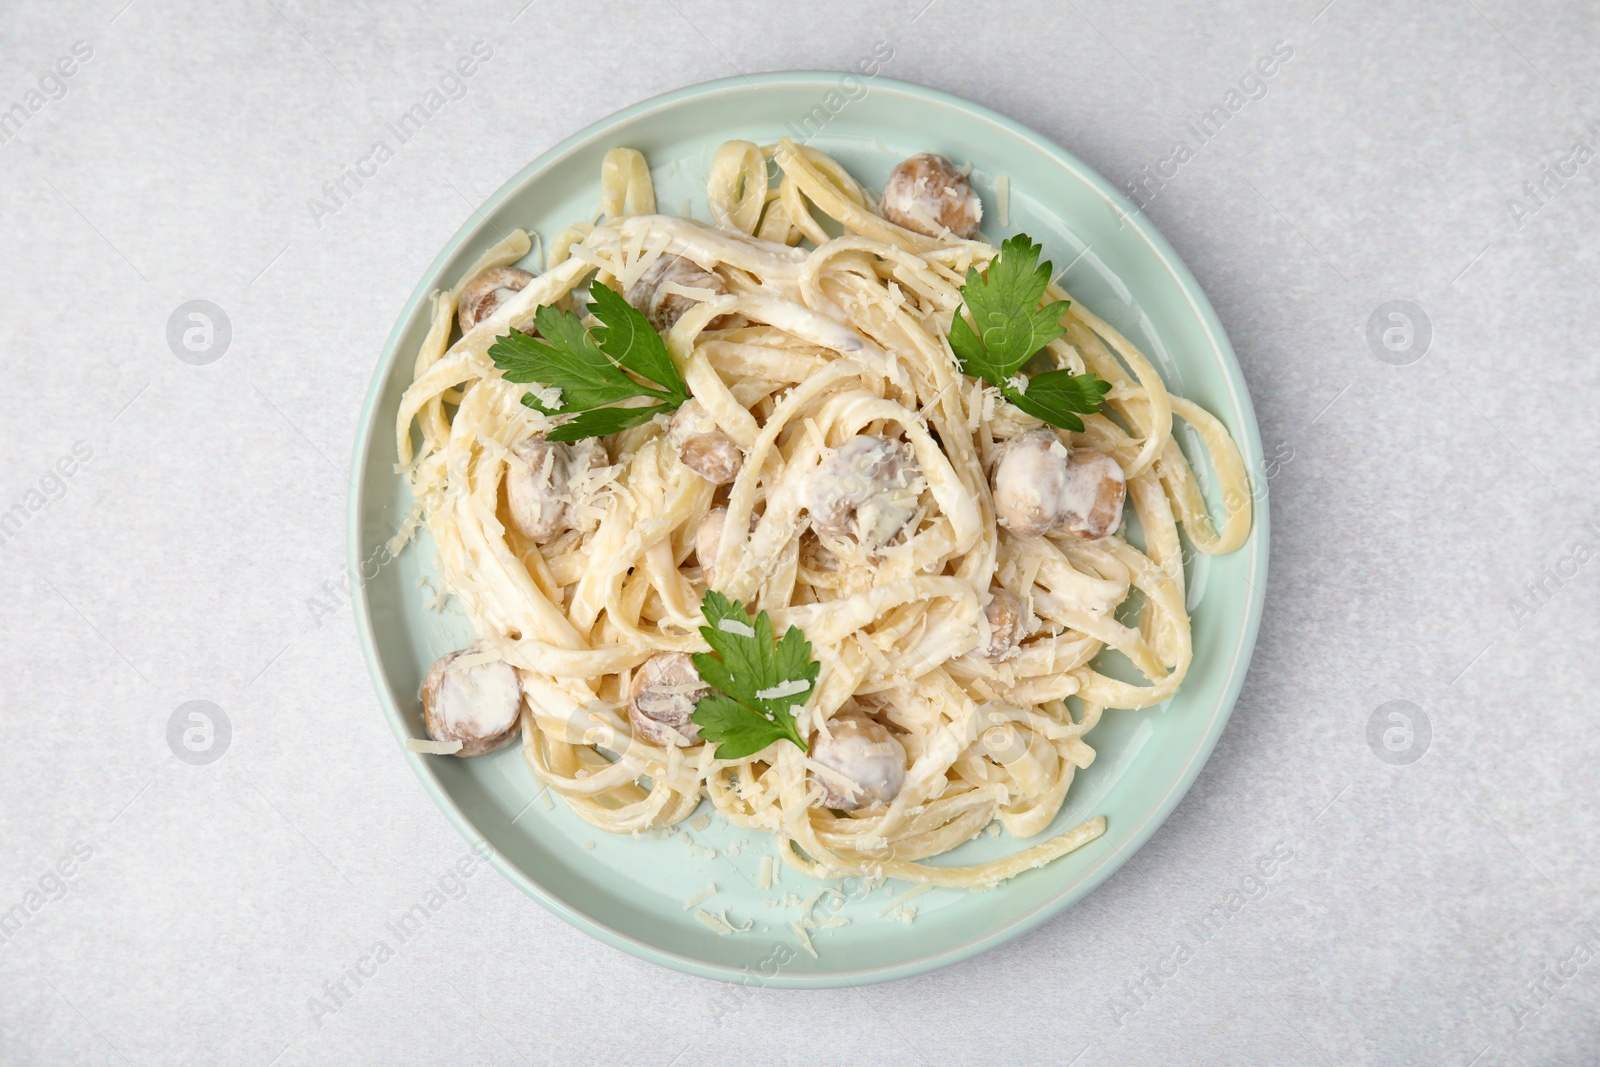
point(1093, 496)
point(661, 700)
point(928, 195)
point(1028, 481)
point(866, 753)
point(538, 480)
point(713, 456)
point(1040, 486)
point(483, 295)
point(703, 448)
point(476, 705)
point(534, 470)
point(1007, 616)
point(651, 295)
point(868, 486)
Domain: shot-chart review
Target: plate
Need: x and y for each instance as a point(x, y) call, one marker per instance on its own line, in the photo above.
point(631, 892)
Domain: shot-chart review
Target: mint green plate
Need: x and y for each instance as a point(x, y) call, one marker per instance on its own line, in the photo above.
point(631, 893)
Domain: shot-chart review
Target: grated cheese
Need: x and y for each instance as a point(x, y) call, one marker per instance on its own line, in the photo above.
point(408, 529)
point(1002, 198)
point(734, 626)
point(549, 396)
point(721, 924)
point(766, 872)
point(793, 687)
point(716, 924)
point(909, 894)
point(701, 897)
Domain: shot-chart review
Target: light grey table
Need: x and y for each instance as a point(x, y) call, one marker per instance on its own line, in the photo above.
point(180, 536)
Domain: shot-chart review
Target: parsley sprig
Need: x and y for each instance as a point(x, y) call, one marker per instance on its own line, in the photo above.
point(1011, 328)
point(591, 369)
point(758, 679)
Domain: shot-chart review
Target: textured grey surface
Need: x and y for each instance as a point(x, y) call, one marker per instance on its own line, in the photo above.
point(1436, 911)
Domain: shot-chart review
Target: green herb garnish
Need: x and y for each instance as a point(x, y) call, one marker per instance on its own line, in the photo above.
point(591, 369)
point(1009, 328)
point(759, 680)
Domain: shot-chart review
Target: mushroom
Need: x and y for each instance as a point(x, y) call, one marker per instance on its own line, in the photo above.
point(483, 295)
point(475, 704)
point(661, 700)
point(1040, 486)
point(927, 194)
point(707, 540)
point(1008, 624)
point(538, 476)
point(703, 448)
point(868, 755)
point(867, 486)
point(653, 293)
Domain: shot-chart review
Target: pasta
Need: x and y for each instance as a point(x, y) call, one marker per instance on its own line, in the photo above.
point(794, 342)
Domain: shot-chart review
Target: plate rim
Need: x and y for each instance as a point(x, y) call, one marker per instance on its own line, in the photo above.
point(1256, 546)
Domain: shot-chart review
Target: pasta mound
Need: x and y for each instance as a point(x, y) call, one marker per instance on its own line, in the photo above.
point(813, 340)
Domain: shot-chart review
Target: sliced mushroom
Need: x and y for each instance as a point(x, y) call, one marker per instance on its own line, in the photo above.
point(1040, 486)
point(868, 487)
point(483, 295)
point(707, 540)
point(657, 294)
point(1008, 625)
point(704, 449)
point(865, 753)
point(539, 475)
point(927, 194)
point(661, 700)
point(476, 705)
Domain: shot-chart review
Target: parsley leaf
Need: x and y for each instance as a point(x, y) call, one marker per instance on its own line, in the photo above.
point(626, 336)
point(601, 422)
point(1009, 327)
point(591, 369)
point(759, 679)
point(1059, 396)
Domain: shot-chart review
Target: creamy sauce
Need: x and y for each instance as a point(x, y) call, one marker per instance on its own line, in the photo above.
point(868, 486)
point(479, 702)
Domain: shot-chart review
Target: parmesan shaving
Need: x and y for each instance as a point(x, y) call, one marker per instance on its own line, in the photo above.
point(793, 687)
point(805, 939)
point(721, 924)
point(701, 897)
point(716, 924)
point(549, 396)
point(909, 894)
